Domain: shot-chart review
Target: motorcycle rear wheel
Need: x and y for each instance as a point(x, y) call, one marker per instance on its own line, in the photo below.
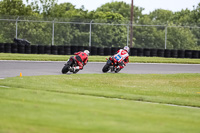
point(117, 70)
point(75, 71)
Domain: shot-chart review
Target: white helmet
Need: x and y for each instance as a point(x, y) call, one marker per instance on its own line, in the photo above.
point(87, 52)
point(126, 48)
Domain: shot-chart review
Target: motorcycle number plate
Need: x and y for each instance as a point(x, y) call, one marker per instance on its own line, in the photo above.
point(118, 57)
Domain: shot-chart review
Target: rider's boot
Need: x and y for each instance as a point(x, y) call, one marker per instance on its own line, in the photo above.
point(118, 68)
point(76, 68)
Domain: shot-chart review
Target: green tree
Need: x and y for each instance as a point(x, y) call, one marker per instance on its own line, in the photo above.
point(14, 7)
point(181, 38)
point(161, 16)
point(11, 9)
point(42, 6)
point(148, 36)
point(121, 8)
point(67, 10)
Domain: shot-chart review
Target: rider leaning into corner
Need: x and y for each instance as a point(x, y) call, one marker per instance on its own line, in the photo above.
point(81, 58)
point(122, 57)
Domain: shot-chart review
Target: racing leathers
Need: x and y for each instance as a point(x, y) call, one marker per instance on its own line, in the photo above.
point(122, 57)
point(81, 58)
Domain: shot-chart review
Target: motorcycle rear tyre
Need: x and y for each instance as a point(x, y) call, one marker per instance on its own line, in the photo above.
point(65, 69)
point(106, 68)
point(75, 71)
point(116, 71)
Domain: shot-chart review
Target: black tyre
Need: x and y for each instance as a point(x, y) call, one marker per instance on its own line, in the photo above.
point(75, 71)
point(65, 69)
point(117, 70)
point(106, 68)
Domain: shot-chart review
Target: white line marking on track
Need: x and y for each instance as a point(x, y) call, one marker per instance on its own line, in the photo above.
point(4, 86)
point(155, 103)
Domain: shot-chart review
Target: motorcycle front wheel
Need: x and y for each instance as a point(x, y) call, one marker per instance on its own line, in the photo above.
point(106, 68)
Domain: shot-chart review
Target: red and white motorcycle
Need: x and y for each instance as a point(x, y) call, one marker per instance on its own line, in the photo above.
point(112, 64)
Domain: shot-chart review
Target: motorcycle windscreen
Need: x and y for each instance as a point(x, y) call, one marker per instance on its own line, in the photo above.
point(109, 62)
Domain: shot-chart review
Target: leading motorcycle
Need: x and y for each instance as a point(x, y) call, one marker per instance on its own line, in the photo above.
point(69, 66)
point(112, 64)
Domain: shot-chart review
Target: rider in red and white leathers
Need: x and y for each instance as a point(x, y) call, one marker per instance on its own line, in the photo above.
point(122, 57)
point(81, 58)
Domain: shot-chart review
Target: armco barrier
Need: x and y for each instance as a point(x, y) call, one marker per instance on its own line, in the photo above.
point(21, 41)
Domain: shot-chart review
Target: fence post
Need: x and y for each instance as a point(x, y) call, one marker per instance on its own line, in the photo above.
point(53, 33)
point(90, 33)
point(166, 36)
point(16, 26)
point(127, 33)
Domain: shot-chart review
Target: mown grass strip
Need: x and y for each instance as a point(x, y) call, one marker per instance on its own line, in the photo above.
point(179, 89)
point(74, 103)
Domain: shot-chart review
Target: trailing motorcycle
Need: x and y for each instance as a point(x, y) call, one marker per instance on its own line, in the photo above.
point(112, 64)
point(69, 66)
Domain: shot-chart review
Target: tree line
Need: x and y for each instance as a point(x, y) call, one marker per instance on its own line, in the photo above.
point(113, 18)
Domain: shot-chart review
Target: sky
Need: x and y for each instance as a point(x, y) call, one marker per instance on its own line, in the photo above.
point(149, 5)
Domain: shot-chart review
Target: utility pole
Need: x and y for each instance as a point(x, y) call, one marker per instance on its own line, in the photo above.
point(131, 34)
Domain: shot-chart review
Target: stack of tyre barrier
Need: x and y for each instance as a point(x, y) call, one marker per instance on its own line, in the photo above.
point(23, 46)
point(168, 53)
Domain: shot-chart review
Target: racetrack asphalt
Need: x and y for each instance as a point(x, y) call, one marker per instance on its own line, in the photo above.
point(33, 68)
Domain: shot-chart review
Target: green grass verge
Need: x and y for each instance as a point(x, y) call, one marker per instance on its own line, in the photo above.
point(97, 103)
point(133, 59)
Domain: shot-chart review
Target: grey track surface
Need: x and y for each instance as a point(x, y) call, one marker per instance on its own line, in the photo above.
point(32, 68)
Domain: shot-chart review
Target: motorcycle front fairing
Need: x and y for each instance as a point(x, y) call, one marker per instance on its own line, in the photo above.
point(70, 61)
point(109, 62)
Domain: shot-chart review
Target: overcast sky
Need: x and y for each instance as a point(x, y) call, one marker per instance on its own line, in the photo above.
point(149, 5)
